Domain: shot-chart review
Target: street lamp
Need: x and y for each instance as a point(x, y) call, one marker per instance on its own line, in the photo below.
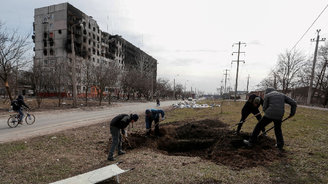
point(74, 64)
point(185, 88)
point(174, 86)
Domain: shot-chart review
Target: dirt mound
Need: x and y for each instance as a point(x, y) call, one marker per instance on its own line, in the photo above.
point(209, 139)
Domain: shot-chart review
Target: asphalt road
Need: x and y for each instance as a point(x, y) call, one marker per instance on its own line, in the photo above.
point(48, 122)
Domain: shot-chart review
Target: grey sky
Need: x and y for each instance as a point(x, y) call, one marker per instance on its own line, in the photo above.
point(194, 38)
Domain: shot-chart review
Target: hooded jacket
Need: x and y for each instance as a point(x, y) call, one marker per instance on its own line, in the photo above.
point(20, 101)
point(274, 104)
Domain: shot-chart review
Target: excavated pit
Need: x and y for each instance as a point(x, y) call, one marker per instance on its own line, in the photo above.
point(211, 140)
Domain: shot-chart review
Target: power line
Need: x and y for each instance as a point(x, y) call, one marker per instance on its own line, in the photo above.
point(310, 27)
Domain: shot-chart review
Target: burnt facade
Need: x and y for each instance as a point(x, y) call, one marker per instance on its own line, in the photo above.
point(57, 28)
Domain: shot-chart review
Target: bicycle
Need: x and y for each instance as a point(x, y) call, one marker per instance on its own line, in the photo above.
point(13, 119)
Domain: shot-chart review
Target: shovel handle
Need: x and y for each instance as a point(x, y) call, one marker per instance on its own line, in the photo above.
point(241, 122)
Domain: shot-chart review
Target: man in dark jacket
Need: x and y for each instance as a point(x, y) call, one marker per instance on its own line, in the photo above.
point(251, 106)
point(120, 122)
point(153, 115)
point(274, 110)
point(19, 109)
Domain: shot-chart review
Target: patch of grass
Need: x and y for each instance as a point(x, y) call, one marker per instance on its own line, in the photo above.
point(68, 153)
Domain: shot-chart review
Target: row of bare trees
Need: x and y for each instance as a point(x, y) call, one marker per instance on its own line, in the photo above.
point(293, 70)
point(17, 68)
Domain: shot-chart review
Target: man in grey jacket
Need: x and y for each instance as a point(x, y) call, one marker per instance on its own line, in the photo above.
point(274, 109)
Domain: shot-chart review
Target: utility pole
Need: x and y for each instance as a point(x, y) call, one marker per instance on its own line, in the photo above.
point(247, 86)
point(308, 102)
point(237, 65)
point(225, 80)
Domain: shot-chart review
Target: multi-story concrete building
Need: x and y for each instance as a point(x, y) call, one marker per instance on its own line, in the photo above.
point(58, 27)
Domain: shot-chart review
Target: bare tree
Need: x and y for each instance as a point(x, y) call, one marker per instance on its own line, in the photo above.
point(13, 51)
point(285, 75)
point(37, 79)
point(107, 75)
point(289, 64)
point(88, 78)
point(58, 73)
point(163, 87)
point(130, 81)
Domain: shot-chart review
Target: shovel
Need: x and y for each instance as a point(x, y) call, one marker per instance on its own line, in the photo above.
point(153, 126)
point(127, 140)
point(241, 122)
point(272, 127)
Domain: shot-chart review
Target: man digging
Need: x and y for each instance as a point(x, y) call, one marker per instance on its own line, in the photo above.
point(120, 122)
point(274, 109)
point(153, 115)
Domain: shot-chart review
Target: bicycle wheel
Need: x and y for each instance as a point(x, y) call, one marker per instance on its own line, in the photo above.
point(29, 119)
point(12, 122)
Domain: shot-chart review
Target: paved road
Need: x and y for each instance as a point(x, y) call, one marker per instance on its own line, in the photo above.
point(47, 122)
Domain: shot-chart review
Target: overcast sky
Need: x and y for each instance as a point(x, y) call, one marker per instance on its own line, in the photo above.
point(192, 39)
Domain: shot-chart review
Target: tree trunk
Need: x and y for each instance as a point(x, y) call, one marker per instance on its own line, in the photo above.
point(8, 91)
point(86, 96)
point(109, 95)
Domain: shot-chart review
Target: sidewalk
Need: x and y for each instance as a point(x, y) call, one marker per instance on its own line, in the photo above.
point(313, 107)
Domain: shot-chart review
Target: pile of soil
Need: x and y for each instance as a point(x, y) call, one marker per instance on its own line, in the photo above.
point(211, 140)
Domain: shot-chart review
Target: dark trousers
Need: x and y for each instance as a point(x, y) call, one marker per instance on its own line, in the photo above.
point(148, 126)
point(117, 141)
point(277, 130)
point(244, 114)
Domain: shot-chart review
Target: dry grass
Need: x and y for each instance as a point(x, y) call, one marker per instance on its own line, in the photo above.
point(60, 155)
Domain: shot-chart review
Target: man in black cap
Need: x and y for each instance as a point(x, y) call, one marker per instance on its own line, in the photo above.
point(274, 109)
point(120, 122)
point(251, 106)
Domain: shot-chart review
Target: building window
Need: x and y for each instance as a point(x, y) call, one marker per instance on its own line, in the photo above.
point(45, 52)
point(45, 43)
point(97, 60)
point(59, 31)
point(51, 51)
point(93, 59)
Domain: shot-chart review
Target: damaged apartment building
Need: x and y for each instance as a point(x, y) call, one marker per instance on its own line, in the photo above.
point(63, 34)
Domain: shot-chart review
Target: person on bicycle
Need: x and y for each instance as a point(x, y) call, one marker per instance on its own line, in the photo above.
point(19, 109)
